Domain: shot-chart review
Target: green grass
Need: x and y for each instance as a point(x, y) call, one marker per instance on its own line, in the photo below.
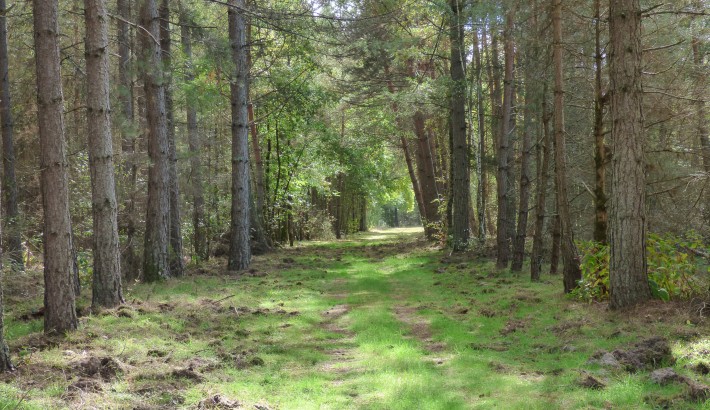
point(408, 327)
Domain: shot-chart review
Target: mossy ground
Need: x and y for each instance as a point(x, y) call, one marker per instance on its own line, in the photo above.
point(379, 321)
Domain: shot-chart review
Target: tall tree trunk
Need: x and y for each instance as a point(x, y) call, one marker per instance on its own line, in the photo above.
point(106, 290)
point(628, 280)
point(701, 73)
point(5, 362)
point(701, 127)
point(506, 214)
point(541, 203)
point(155, 255)
point(600, 161)
point(258, 223)
point(9, 183)
point(239, 248)
point(460, 184)
point(127, 220)
point(59, 293)
point(415, 182)
point(426, 177)
point(571, 273)
point(177, 265)
point(481, 194)
point(408, 157)
point(13, 246)
point(519, 242)
point(199, 240)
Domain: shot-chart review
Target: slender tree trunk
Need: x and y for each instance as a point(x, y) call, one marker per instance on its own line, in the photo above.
point(701, 73)
point(5, 362)
point(481, 194)
point(541, 203)
point(408, 158)
point(571, 272)
point(59, 294)
point(239, 249)
point(177, 265)
point(9, 182)
point(426, 177)
point(415, 182)
point(519, 243)
point(701, 70)
point(127, 221)
point(460, 184)
point(155, 255)
point(194, 142)
point(258, 223)
point(600, 161)
point(13, 246)
point(505, 148)
point(106, 291)
point(628, 280)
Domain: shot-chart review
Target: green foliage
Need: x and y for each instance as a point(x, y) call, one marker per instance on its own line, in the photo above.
point(673, 271)
point(595, 271)
point(672, 265)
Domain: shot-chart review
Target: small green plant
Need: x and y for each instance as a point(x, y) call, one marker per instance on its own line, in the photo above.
point(594, 264)
point(673, 271)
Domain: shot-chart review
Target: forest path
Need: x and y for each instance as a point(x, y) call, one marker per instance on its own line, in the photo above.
point(381, 320)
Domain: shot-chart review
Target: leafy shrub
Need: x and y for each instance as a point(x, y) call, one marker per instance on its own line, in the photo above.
point(594, 263)
point(673, 271)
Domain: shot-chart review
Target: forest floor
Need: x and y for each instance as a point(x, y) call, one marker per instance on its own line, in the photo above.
point(382, 320)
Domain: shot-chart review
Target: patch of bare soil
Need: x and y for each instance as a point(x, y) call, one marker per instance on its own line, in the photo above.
point(513, 326)
point(340, 358)
point(331, 316)
point(420, 329)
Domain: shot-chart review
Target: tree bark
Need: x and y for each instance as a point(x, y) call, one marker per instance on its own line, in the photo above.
point(130, 263)
point(13, 246)
point(262, 242)
point(59, 294)
point(700, 116)
point(9, 183)
point(541, 203)
point(194, 142)
point(177, 265)
point(155, 255)
point(481, 194)
point(426, 177)
point(239, 249)
point(571, 273)
point(5, 362)
point(519, 242)
point(415, 182)
point(628, 280)
point(460, 183)
point(506, 209)
point(601, 217)
point(106, 291)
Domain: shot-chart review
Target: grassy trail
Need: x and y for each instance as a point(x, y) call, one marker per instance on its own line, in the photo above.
point(380, 321)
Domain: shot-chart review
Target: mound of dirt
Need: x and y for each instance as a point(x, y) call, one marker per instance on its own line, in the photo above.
point(217, 402)
point(645, 355)
point(106, 368)
point(591, 382)
point(648, 354)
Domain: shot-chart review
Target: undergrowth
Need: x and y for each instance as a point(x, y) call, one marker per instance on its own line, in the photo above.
point(677, 268)
point(380, 321)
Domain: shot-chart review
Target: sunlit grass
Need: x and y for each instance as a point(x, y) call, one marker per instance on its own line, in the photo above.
point(485, 338)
